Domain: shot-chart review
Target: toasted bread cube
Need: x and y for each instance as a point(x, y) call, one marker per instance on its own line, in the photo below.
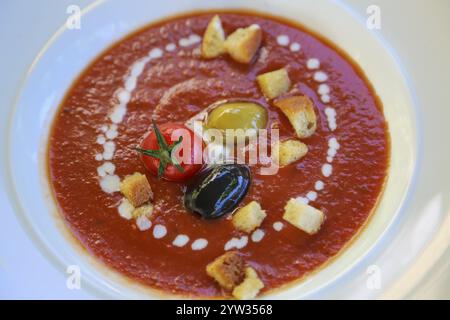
point(303, 216)
point(213, 44)
point(287, 152)
point(145, 210)
point(250, 287)
point(300, 112)
point(243, 43)
point(249, 217)
point(227, 269)
point(275, 83)
point(136, 189)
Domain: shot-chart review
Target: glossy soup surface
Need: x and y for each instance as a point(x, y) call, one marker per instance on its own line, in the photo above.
point(176, 87)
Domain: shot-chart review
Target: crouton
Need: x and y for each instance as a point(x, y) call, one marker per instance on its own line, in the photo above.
point(303, 216)
point(227, 269)
point(213, 39)
point(300, 112)
point(287, 152)
point(249, 217)
point(275, 83)
point(136, 189)
point(243, 43)
point(145, 210)
point(250, 287)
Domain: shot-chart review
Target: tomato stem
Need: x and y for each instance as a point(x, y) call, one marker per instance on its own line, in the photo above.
point(164, 152)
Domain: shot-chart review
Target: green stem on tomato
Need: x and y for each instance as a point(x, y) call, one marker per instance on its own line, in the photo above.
point(164, 152)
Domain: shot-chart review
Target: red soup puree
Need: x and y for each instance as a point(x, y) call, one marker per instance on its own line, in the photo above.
point(161, 72)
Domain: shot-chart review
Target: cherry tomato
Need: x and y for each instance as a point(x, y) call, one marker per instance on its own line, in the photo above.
point(163, 152)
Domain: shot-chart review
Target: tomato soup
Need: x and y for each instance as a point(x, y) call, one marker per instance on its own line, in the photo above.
point(158, 73)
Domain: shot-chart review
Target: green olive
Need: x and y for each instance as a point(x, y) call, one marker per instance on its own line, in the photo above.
point(237, 115)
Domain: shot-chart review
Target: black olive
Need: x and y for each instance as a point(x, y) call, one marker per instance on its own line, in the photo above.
point(217, 190)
